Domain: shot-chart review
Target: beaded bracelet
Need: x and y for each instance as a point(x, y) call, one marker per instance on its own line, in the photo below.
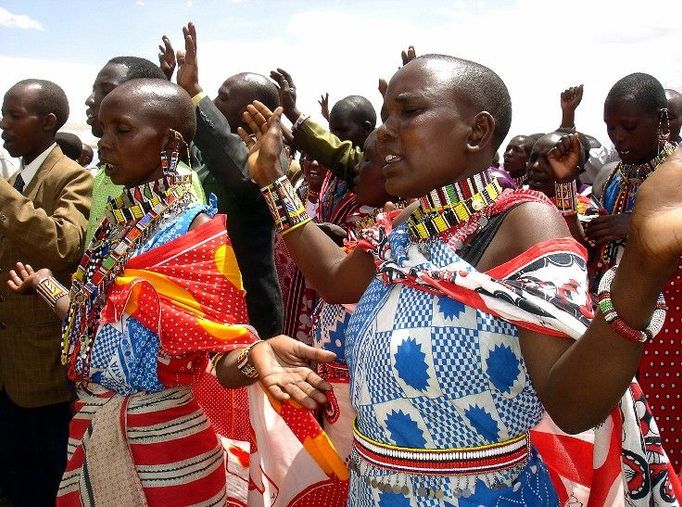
point(50, 290)
point(285, 205)
point(617, 324)
point(244, 364)
point(565, 197)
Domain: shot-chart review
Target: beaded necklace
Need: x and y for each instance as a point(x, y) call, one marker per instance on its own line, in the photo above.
point(129, 219)
point(631, 176)
point(456, 211)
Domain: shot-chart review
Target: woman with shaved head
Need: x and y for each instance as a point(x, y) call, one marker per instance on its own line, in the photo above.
point(157, 289)
point(474, 316)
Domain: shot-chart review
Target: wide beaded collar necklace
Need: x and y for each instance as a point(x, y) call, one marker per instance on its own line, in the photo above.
point(454, 212)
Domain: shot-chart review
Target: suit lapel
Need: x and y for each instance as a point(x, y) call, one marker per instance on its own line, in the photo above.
point(41, 174)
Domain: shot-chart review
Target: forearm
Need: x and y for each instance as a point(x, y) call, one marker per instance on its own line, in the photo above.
point(338, 278)
point(228, 374)
point(567, 119)
point(589, 379)
point(338, 156)
point(55, 295)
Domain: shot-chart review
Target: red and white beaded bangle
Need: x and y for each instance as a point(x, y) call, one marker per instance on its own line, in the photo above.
point(617, 324)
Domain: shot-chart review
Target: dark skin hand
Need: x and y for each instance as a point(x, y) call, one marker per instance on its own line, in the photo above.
point(324, 105)
point(287, 93)
point(167, 60)
point(406, 57)
point(570, 100)
point(188, 72)
point(606, 228)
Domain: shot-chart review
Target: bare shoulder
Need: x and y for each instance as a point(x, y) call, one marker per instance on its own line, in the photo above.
point(199, 220)
point(526, 225)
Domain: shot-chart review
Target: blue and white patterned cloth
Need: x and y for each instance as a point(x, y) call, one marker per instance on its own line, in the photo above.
point(429, 372)
point(125, 353)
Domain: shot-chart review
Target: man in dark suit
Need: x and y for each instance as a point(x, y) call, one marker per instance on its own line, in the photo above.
point(43, 216)
point(249, 222)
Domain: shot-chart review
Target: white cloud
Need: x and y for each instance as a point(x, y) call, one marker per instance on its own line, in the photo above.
point(22, 21)
point(140, 3)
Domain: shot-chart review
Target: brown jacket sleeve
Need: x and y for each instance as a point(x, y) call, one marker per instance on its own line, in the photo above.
point(46, 226)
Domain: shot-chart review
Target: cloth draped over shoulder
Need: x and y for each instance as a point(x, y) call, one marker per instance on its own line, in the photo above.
point(619, 462)
point(188, 291)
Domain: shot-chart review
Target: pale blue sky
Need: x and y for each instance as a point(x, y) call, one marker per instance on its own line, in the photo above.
point(538, 47)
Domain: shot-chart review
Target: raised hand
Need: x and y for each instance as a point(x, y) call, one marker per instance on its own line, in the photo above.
point(571, 98)
point(409, 55)
point(167, 60)
point(23, 279)
point(565, 157)
point(324, 105)
point(287, 93)
point(406, 57)
point(188, 70)
point(264, 151)
point(656, 225)
point(283, 366)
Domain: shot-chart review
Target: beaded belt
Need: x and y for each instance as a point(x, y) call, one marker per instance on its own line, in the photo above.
point(458, 461)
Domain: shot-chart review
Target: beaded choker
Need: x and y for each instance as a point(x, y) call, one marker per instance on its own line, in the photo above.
point(129, 219)
point(455, 210)
point(637, 173)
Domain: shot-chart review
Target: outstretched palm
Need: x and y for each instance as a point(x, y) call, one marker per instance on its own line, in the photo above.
point(264, 151)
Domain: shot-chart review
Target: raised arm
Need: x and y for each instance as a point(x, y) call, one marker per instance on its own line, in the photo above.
point(570, 100)
point(222, 151)
point(580, 382)
point(339, 278)
point(311, 137)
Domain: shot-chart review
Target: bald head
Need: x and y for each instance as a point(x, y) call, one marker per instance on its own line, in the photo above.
point(674, 113)
point(46, 97)
point(476, 86)
point(163, 102)
point(242, 89)
point(352, 119)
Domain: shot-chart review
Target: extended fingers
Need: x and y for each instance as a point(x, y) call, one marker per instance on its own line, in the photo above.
point(248, 140)
point(255, 120)
point(287, 76)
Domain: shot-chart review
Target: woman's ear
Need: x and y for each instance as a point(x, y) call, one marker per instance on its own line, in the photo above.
point(482, 130)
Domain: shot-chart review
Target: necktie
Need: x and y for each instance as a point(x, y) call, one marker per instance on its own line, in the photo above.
point(19, 183)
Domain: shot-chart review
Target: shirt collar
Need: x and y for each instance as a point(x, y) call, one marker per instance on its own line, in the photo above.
point(30, 170)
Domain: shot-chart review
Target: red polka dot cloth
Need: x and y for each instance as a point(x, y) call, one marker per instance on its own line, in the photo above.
point(660, 373)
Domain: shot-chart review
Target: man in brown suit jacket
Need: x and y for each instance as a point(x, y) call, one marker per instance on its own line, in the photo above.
point(43, 216)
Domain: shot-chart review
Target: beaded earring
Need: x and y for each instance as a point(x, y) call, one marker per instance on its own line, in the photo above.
point(663, 128)
point(169, 165)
